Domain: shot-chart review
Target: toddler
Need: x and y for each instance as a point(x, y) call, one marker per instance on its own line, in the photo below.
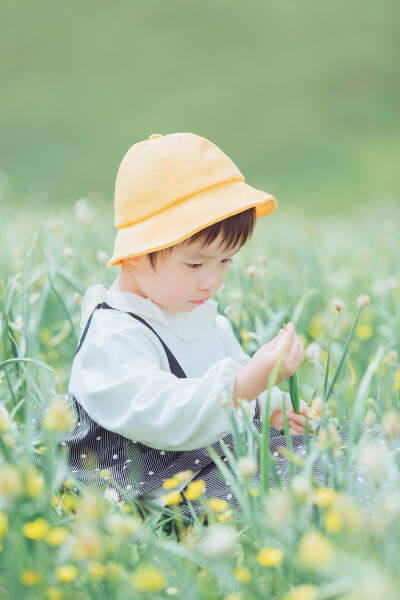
point(155, 361)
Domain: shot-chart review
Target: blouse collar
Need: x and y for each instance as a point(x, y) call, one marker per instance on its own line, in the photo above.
point(187, 325)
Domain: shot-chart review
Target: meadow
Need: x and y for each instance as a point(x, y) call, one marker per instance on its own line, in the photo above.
point(297, 542)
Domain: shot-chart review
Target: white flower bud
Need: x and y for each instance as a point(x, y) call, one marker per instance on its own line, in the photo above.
point(313, 352)
point(338, 305)
point(251, 271)
point(363, 301)
point(247, 466)
point(68, 252)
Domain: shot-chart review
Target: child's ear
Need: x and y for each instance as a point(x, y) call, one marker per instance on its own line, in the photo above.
point(133, 260)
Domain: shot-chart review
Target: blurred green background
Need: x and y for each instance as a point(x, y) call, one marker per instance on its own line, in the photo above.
point(303, 96)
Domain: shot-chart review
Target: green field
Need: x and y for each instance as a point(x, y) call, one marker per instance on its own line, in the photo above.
point(304, 97)
point(300, 542)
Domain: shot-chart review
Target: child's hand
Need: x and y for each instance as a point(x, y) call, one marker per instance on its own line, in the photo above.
point(297, 422)
point(286, 345)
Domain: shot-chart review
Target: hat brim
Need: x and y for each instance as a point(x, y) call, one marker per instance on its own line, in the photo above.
point(185, 218)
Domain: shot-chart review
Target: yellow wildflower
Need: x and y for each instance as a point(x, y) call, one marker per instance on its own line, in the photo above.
point(30, 577)
point(270, 557)
point(363, 332)
point(10, 481)
point(234, 596)
point(34, 482)
point(67, 573)
point(333, 521)
point(255, 492)
point(171, 483)
point(57, 536)
point(323, 496)
point(53, 593)
point(96, 570)
point(224, 516)
point(183, 475)
point(115, 571)
point(217, 505)
point(302, 592)
point(147, 578)
point(3, 525)
point(396, 383)
point(35, 530)
point(195, 489)
point(242, 574)
point(88, 543)
point(172, 498)
point(316, 327)
point(60, 415)
point(315, 550)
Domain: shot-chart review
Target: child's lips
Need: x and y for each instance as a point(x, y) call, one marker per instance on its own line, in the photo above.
point(200, 301)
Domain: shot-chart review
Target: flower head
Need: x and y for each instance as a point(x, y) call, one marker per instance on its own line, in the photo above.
point(338, 304)
point(363, 301)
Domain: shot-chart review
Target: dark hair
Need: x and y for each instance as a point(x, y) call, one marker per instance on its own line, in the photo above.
point(234, 230)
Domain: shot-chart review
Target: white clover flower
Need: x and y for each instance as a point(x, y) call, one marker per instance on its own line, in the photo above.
point(244, 408)
point(392, 358)
point(34, 298)
point(102, 256)
point(391, 423)
point(313, 352)
point(301, 488)
point(247, 466)
point(18, 324)
point(374, 459)
point(223, 400)
point(111, 495)
point(68, 252)
point(363, 301)
point(218, 541)
point(83, 212)
point(251, 271)
point(228, 310)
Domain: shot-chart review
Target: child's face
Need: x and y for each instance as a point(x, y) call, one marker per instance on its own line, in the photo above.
point(185, 278)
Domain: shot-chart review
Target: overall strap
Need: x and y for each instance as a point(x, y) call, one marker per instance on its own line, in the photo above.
point(174, 366)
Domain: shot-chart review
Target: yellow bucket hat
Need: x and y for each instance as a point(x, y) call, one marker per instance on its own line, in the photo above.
point(169, 187)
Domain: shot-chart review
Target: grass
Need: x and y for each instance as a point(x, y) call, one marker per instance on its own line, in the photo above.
point(300, 541)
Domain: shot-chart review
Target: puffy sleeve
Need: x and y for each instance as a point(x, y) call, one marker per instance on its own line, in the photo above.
point(278, 398)
point(121, 377)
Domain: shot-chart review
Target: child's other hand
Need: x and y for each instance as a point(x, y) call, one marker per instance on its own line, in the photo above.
point(297, 422)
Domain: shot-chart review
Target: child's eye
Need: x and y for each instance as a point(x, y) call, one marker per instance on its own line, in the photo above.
point(197, 266)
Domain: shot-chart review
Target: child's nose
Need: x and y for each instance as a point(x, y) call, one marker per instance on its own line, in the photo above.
point(210, 282)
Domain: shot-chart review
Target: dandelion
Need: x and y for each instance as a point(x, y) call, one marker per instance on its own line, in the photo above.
point(363, 301)
point(35, 530)
point(270, 557)
point(338, 305)
point(30, 577)
point(172, 498)
point(217, 505)
point(195, 489)
point(66, 573)
point(333, 521)
point(302, 592)
point(68, 252)
point(171, 483)
point(147, 578)
point(57, 536)
point(323, 496)
point(115, 571)
point(53, 593)
point(363, 332)
point(96, 570)
point(315, 550)
point(224, 516)
point(34, 482)
point(242, 574)
point(60, 416)
point(3, 525)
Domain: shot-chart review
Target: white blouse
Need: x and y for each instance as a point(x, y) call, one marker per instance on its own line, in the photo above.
point(121, 374)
